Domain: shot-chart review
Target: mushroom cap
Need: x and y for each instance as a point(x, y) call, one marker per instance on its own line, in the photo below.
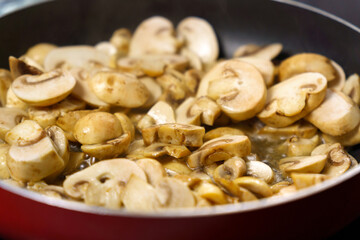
point(304, 180)
point(9, 118)
point(119, 89)
point(336, 115)
point(19, 67)
point(26, 133)
point(303, 164)
point(290, 100)
point(97, 127)
point(260, 170)
point(153, 169)
point(352, 88)
point(199, 37)
point(154, 90)
point(339, 81)
point(75, 56)
point(45, 89)
point(154, 35)
point(237, 87)
point(265, 67)
point(162, 113)
point(39, 52)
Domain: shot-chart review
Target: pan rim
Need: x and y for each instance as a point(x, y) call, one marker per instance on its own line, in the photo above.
point(194, 212)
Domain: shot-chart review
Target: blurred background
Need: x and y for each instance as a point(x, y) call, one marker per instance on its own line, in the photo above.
point(345, 9)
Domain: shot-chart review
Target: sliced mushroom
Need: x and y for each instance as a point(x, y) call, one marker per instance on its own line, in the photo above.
point(174, 133)
point(259, 170)
point(211, 192)
point(267, 52)
point(192, 79)
point(47, 190)
point(307, 62)
point(19, 68)
point(349, 139)
point(154, 35)
point(304, 180)
point(108, 176)
point(232, 83)
point(255, 185)
point(126, 125)
point(154, 90)
point(12, 101)
point(9, 118)
point(219, 149)
point(303, 164)
point(109, 49)
point(45, 89)
point(278, 186)
point(285, 191)
point(156, 150)
point(5, 82)
point(153, 170)
point(352, 88)
point(119, 89)
point(337, 114)
point(243, 194)
point(75, 159)
point(75, 56)
point(136, 150)
point(301, 129)
point(4, 171)
point(194, 60)
point(301, 146)
point(32, 155)
point(121, 40)
point(220, 132)
point(339, 82)
point(139, 195)
point(61, 143)
point(199, 37)
point(39, 52)
point(184, 114)
point(265, 67)
point(175, 166)
point(172, 193)
point(162, 113)
point(246, 50)
point(292, 99)
point(231, 169)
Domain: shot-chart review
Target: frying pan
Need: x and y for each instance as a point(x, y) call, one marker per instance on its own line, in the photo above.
point(313, 213)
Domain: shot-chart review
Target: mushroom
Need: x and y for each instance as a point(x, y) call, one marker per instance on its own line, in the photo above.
point(231, 169)
point(154, 90)
point(259, 170)
point(156, 150)
point(174, 167)
point(32, 155)
point(196, 111)
point(290, 100)
point(75, 159)
point(4, 171)
point(107, 176)
point(221, 131)
point(12, 101)
point(154, 35)
point(47, 190)
point(192, 78)
point(300, 129)
point(267, 52)
point(75, 56)
point(136, 149)
point(275, 188)
point(39, 52)
point(307, 62)
point(153, 170)
point(45, 89)
point(352, 88)
point(174, 133)
point(255, 185)
point(304, 180)
point(301, 146)
point(303, 164)
point(139, 195)
point(199, 37)
point(121, 40)
point(286, 190)
point(264, 66)
point(194, 60)
point(119, 89)
point(19, 68)
point(349, 139)
point(211, 192)
point(162, 113)
point(126, 125)
point(9, 118)
point(231, 83)
point(109, 49)
point(232, 188)
point(219, 149)
point(339, 82)
point(337, 114)
point(5, 82)
point(61, 143)
point(172, 193)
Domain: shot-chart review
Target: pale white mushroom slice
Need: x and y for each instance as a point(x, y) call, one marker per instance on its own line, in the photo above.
point(231, 169)
point(75, 56)
point(337, 114)
point(75, 159)
point(304, 180)
point(139, 195)
point(175, 167)
point(286, 191)
point(301, 146)
point(121, 40)
point(126, 125)
point(222, 131)
point(47, 190)
point(265, 67)
point(32, 155)
point(246, 50)
point(219, 149)
point(184, 114)
point(5, 82)
point(4, 171)
point(19, 67)
point(172, 193)
point(292, 99)
point(156, 150)
point(154, 90)
point(234, 189)
point(303, 164)
point(349, 139)
point(97, 127)
point(267, 52)
point(153, 170)
point(194, 60)
point(210, 192)
point(45, 89)
point(307, 62)
point(108, 176)
point(276, 188)
point(9, 118)
point(260, 170)
point(154, 35)
point(232, 83)
point(109, 49)
point(199, 37)
point(339, 82)
point(162, 113)
point(119, 89)
point(39, 52)
point(192, 79)
point(12, 101)
point(352, 88)
point(174, 133)
point(255, 185)
point(301, 129)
